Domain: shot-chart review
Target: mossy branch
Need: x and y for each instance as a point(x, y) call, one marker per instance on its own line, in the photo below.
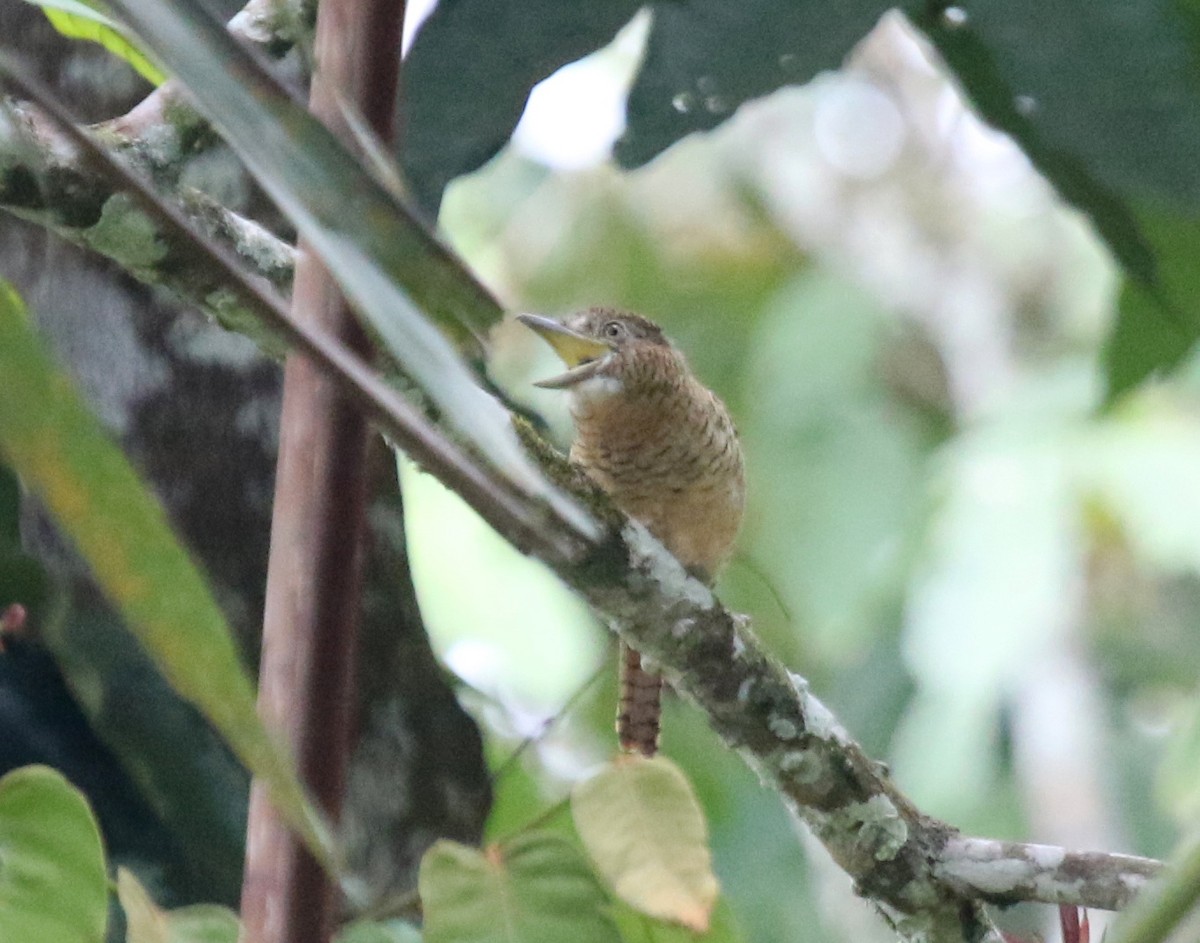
point(928, 882)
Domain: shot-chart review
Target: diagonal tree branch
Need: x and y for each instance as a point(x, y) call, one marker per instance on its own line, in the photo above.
point(926, 880)
point(45, 180)
point(163, 133)
point(1002, 872)
point(520, 521)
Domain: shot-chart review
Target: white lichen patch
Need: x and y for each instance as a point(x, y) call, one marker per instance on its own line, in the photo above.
point(158, 144)
point(265, 251)
point(913, 928)
point(989, 866)
point(1132, 882)
point(801, 766)
point(649, 556)
point(1046, 857)
point(818, 720)
point(596, 389)
point(995, 876)
point(268, 21)
point(10, 140)
point(881, 827)
point(683, 627)
point(739, 646)
point(783, 728)
point(1050, 886)
point(251, 24)
point(743, 692)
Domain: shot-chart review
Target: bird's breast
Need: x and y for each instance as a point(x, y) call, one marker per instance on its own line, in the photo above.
point(672, 461)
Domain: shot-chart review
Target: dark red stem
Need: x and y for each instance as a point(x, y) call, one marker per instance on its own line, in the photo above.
point(314, 581)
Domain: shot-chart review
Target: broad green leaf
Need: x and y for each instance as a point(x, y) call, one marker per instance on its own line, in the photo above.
point(645, 832)
point(79, 19)
point(50, 439)
point(534, 889)
point(469, 73)
point(53, 887)
point(180, 765)
point(1151, 337)
point(146, 922)
point(385, 262)
point(1107, 94)
point(705, 58)
point(1157, 325)
point(1106, 103)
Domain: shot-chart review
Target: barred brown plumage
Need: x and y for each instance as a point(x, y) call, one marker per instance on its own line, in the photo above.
point(663, 446)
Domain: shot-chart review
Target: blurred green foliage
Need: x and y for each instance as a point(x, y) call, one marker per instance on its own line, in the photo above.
point(53, 885)
point(1105, 103)
point(48, 436)
point(983, 556)
point(990, 577)
point(86, 19)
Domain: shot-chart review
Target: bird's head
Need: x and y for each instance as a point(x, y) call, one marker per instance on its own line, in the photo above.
point(606, 351)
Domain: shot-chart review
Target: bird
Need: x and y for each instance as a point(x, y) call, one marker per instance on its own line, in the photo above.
point(664, 448)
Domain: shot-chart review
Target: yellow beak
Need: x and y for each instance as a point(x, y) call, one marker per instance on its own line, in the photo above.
point(581, 354)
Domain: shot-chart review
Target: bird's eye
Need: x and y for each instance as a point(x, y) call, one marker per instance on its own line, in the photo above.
point(614, 330)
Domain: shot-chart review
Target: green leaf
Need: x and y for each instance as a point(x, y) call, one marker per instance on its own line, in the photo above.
point(1108, 93)
point(469, 72)
point(1106, 103)
point(535, 889)
point(77, 19)
point(53, 887)
point(58, 448)
point(645, 832)
point(1150, 338)
point(705, 58)
point(179, 763)
point(383, 260)
point(146, 922)
point(1157, 325)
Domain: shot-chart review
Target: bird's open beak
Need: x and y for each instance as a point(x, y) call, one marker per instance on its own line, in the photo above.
point(581, 354)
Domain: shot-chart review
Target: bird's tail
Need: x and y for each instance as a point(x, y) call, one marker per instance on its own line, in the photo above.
point(639, 711)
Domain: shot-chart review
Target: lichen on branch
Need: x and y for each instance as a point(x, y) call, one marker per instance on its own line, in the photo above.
point(929, 882)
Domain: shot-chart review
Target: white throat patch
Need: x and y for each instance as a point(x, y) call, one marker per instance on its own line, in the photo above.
point(594, 388)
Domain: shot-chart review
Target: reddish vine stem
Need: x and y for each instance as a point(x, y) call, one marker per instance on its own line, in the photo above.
point(315, 572)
